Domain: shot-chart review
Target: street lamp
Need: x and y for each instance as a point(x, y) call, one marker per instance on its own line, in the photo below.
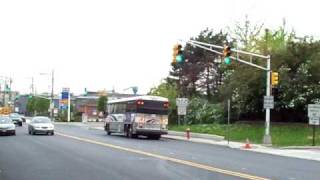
point(52, 86)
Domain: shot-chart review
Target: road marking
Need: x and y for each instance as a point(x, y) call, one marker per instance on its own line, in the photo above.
point(179, 161)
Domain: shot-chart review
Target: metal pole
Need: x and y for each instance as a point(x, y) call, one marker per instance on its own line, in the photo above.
point(10, 92)
point(52, 100)
point(32, 86)
point(228, 131)
point(314, 135)
point(4, 93)
point(267, 137)
point(234, 50)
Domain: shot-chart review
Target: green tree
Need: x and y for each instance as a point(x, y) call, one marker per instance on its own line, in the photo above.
point(168, 89)
point(38, 105)
point(41, 105)
point(200, 75)
point(30, 105)
point(102, 103)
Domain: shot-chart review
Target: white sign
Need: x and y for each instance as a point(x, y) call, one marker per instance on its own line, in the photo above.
point(182, 110)
point(65, 89)
point(268, 102)
point(182, 102)
point(313, 110)
point(314, 120)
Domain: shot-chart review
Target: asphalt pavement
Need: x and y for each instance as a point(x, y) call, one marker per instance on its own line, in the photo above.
point(77, 153)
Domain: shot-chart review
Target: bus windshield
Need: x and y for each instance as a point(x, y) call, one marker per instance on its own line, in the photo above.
point(152, 107)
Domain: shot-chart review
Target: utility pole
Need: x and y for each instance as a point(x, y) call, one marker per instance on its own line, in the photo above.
point(52, 95)
point(32, 86)
point(4, 92)
point(10, 92)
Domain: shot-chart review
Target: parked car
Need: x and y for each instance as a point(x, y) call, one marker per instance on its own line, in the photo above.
point(16, 119)
point(40, 125)
point(7, 126)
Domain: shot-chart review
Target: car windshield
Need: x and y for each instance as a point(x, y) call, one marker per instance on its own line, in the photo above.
point(14, 116)
point(5, 120)
point(41, 120)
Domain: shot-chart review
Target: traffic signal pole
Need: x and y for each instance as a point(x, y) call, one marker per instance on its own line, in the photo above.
point(209, 47)
point(267, 137)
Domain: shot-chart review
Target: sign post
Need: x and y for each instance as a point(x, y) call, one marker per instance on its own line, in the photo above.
point(65, 101)
point(314, 119)
point(182, 104)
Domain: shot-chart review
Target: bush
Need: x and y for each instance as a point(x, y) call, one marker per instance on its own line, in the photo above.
point(201, 111)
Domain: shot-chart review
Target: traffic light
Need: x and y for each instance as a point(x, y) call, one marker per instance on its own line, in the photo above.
point(275, 78)
point(227, 54)
point(177, 54)
point(30, 97)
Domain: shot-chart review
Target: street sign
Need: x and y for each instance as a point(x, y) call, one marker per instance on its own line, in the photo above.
point(314, 121)
point(64, 95)
point(313, 110)
point(182, 110)
point(63, 101)
point(65, 89)
point(182, 102)
point(268, 102)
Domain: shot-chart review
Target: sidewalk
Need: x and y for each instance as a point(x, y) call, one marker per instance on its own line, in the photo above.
point(302, 152)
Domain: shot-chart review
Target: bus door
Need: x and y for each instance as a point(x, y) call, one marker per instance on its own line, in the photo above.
point(116, 125)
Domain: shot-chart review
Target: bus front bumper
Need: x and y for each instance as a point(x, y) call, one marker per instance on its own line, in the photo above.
point(151, 131)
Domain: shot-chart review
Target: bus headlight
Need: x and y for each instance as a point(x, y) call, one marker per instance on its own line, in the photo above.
point(165, 121)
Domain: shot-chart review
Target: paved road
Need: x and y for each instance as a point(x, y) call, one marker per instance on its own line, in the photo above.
point(76, 153)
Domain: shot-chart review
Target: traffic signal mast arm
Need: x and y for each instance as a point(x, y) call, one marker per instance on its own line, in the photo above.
point(210, 46)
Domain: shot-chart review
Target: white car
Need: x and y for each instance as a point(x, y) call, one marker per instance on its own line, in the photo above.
point(7, 126)
point(41, 125)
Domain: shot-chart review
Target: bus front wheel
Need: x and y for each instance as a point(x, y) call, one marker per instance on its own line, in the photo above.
point(107, 129)
point(155, 137)
point(129, 132)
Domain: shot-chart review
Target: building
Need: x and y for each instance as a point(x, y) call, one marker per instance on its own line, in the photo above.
point(87, 104)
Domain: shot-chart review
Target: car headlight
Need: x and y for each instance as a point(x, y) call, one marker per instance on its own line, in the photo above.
point(12, 127)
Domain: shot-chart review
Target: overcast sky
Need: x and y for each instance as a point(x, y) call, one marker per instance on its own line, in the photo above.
point(100, 44)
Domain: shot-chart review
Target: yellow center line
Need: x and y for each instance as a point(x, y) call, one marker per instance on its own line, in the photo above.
point(179, 161)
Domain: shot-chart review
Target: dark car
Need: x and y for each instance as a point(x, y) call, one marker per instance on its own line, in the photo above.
point(7, 126)
point(16, 119)
point(40, 125)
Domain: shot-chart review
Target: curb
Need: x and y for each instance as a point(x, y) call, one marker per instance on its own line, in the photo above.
point(197, 135)
point(300, 147)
